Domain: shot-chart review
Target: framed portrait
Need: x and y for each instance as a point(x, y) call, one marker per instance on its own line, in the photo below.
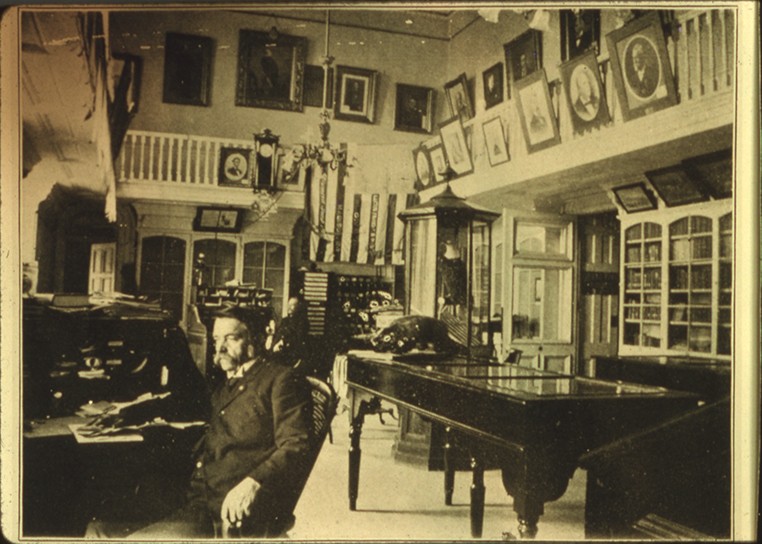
point(438, 163)
point(313, 86)
point(270, 71)
point(492, 79)
point(675, 187)
point(234, 170)
point(458, 98)
point(212, 219)
point(494, 141)
point(536, 112)
point(580, 32)
point(641, 67)
point(585, 96)
point(413, 111)
point(634, 197)
point(187, 69)
point(523, 55)
point(290, 174)
point(713, 171)
point(355, 94)
point(456, 149)
point(423, 172)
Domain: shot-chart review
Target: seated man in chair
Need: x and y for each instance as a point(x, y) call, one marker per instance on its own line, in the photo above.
point(255, 448)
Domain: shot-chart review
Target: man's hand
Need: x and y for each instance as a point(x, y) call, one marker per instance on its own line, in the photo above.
point(238, 501)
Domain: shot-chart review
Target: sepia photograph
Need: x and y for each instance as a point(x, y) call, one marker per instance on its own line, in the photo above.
point(389, 272)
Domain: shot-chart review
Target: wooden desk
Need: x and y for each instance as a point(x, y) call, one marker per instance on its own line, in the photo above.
point(536, 424)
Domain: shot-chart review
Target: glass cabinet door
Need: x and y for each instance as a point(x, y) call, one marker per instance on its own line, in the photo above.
point(642, 285)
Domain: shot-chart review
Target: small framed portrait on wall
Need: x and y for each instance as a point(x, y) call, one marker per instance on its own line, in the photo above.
point(536, 112)
point(494, 141)
point(438, 163)
point(492, 84)
point(270, 70)
point(455, 146)
point(234, 168)
point(187, 69)
point(585, 97)
point(413, 108)
point(580, 32)
point(458, 98)
point(523, 55)
point(213, 219)
point(641, 68)
point(355, 94)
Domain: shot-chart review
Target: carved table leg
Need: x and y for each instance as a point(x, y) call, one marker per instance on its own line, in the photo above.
point(449, 471)
point(477, 497)
point(355, 430)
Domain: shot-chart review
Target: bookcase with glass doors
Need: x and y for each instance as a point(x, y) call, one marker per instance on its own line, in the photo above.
point(677, 281)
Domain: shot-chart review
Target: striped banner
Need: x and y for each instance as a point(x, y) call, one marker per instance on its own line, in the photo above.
point(356, 227)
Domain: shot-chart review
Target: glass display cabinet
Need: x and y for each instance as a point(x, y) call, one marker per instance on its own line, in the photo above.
point(447, 276)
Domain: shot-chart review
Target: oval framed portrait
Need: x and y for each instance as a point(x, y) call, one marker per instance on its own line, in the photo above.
point(422, 163)
point(642, 67)
point(234, 167)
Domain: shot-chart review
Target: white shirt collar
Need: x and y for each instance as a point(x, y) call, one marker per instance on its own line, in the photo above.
point(241, 370)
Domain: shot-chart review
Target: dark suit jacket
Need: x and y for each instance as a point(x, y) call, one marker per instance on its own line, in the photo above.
point(260, 428)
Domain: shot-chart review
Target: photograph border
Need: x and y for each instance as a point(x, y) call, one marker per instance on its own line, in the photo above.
point(567, 69)
point(648, 200)
point(466, 112)
point(454, 128)
point(427, 117)
point(660, 181)
point(537, 78)
point(368, 113)
point(502, 142)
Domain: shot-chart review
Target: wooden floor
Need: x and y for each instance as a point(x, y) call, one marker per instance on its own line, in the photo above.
point(399, 501)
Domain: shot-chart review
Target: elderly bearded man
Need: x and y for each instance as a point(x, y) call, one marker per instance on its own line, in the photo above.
point(254, 447)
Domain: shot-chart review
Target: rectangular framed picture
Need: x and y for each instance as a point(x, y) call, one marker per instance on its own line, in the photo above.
point(580, 32)
point(523, 55)
point(492, 85)
point(641, 68)
point(585, 96)
point(713, 171)
point(536, 112)
point(187, 69)
point(235, 167)
point(438, 162)
point(413, 110)
point(458, 98)
point(634, 197)
point(212, 219)
point(355, 94)
point(456, 149)
point(313, 86)
point(494, 141)
point(270, 71)
point(675, 187)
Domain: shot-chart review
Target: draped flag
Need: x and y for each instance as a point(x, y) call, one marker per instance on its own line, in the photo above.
point(351, 226)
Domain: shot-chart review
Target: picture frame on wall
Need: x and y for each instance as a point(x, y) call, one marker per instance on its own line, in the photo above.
point(641, 68)
point(270, 70)
point(423, 171)
point(585, 95)
point(634, 197)
point(492, 85)
point(713, 171)
point(523, 55)
point(414, 106)
point(538, 122)
point(580, 32)
point(187, 69)
point(355, 94)
point(438, 162)
point(458, 98)
point(235, 167)
point(675, 187)
point(313, 86)
point(214, 219)
point(455, 146)
point(494, 141)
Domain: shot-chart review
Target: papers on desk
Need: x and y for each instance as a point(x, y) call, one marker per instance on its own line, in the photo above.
point(103, 437)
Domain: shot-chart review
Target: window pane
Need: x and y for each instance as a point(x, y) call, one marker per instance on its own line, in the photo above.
point(276, 255)
point(549, 240)
point(253, 254)
point(542, 304)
